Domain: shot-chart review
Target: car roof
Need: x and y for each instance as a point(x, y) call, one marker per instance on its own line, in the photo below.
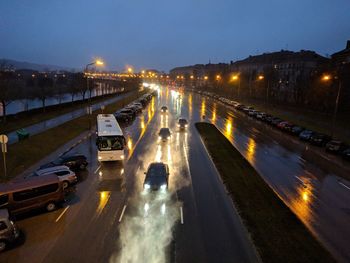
point(25, 183)
point(52, 169)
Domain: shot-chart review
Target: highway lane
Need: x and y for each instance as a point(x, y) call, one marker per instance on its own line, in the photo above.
point(106, 220)
point(314, 188)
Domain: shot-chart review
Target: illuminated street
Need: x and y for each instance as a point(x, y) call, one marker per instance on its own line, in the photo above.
point(194, 219)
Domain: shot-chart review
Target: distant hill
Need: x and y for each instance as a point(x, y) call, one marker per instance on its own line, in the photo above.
point(14, 64)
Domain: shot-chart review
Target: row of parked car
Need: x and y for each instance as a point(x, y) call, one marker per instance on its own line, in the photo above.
point(127, 114)
point(315, 138)
point(46, 188)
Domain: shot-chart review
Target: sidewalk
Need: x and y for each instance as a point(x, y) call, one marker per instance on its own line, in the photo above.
point(51, 123)
point(59, 152)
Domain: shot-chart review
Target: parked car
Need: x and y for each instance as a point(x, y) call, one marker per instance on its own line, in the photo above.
point(269, 119)
point(136, 108)
point(305, 135)
point(346, 154)
point(129, 112)
point(157, 177)
point(64, 174)
point(319, 139)
point(288, 127)
point(164, 134)
point(261, 116)
point(276, 121)
point(252, 113)
point(8, 229)
point(122, 117)
point(182, 123)
point(296, 130)
point(282, 124)
point(335, 146)
point(75, 162)
point(36, 192)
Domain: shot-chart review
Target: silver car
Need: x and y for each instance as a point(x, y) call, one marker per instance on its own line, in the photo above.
point(64, 174)
point(8, 230)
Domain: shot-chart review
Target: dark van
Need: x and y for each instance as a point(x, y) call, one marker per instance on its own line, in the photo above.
point(31, 193)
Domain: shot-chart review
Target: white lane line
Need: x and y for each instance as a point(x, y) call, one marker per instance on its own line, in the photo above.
point(59, 217)
point(347, 187)
point(98, 168)
point(182, 215)
point(122, 214)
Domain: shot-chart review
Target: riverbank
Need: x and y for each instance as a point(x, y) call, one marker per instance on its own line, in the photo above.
point(27, 118)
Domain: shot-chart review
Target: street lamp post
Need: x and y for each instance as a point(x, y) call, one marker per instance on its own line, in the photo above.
point(334, 117)
point(237, 78)
point(98, 63)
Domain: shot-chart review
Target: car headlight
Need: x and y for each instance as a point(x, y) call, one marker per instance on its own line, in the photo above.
point(146, 186)
point(160, 137)
point(168, 137)
point(122, 157)
point(186, 125)
point(100, 158)
point(178, 125)
point(163, 187)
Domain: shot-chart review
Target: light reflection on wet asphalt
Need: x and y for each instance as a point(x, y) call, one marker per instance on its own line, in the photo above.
point(309, 188)
point(313, 194)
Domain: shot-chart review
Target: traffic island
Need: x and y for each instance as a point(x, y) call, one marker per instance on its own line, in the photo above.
point(277, 233)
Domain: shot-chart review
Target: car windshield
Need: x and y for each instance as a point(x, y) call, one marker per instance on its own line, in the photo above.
point(164, 132)
point(156, 171)
point(182, 121)
point(108, 143)
point(58, 161)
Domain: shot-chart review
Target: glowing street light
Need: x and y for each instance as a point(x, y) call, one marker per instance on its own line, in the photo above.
point(191, 77)
point(218, 77)
point(97, 62)
point(237, 78)
point(261, 77)
point(205, 77)
point(327, 78)
point(130, 70)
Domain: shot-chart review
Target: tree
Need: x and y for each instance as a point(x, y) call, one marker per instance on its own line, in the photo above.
point(42, 89)
point(8, 87)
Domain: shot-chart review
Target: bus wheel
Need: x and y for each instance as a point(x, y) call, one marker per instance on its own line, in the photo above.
point(50, 207)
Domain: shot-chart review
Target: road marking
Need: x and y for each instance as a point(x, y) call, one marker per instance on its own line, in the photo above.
point(347, 187)
point(182, 215)
point(122, 214)
point(98, 168)
point(59, 217)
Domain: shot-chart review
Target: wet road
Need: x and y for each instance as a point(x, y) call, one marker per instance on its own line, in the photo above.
point(111, 219)
point(312, 183)
point(48, 124)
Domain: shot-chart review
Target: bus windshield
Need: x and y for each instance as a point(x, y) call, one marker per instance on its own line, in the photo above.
point(110, 143)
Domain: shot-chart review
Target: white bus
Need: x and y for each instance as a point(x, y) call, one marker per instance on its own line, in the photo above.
point(110, 140)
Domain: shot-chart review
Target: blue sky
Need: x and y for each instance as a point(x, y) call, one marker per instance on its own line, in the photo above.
point(163, 34)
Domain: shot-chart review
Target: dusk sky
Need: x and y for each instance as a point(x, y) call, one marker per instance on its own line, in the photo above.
point(164, 34)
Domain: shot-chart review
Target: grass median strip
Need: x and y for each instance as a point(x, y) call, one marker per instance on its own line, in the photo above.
point(23, 154)
point(277, 233)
